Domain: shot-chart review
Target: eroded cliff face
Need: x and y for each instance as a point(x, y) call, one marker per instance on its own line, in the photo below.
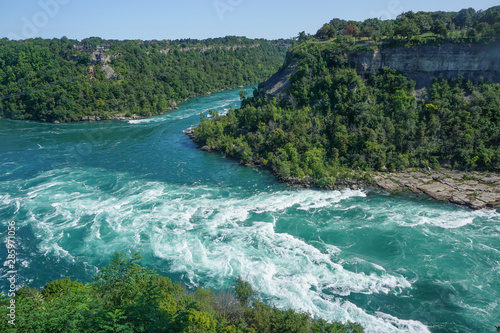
point(423, 63)
point(419, 63)
point(277, 85)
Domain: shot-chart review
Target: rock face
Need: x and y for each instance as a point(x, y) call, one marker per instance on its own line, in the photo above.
point(423, 63)
point(472, 189)
point(419, 63)
point(110, 72)
point(276, 85)
point(104, 60)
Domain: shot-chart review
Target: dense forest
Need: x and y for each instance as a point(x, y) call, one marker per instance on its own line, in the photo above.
point(127, 297)
point(333, 121)
point(51, 80)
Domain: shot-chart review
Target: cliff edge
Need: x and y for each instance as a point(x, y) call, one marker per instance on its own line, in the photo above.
point(424, 63)
point(420, 63)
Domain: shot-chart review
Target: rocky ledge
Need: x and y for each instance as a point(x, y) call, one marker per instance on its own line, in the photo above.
point(475, 190)
point(472, 189)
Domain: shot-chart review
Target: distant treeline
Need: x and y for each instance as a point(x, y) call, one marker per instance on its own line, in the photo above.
point(465, 23)
point(51, 80)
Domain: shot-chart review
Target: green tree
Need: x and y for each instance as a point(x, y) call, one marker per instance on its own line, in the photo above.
point(326, 32)
point(440, 29)
point(407, 29)
point(302, 37)
point(243, 291)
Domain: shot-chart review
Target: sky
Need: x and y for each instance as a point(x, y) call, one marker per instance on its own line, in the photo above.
point(199, 19)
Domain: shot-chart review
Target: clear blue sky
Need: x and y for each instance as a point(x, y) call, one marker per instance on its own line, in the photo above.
point(165, 19)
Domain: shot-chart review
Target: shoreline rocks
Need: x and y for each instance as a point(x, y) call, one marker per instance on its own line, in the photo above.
point(473, 189)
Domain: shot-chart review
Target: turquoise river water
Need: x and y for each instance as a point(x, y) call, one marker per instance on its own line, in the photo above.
point(80, 191)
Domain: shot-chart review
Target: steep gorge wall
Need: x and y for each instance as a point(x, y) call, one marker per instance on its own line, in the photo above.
point(419, 63)
point(423, 63)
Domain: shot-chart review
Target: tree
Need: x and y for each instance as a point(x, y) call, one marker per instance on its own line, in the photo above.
point(368, 32)
point(440, 29)
point(424, 22)
point(61, 286)
point(407, 29)
point(452, 27)
point(465, 17)
point(352, 30)
point(496, 28)
point(326, 32)
point(472, 33)
point(302, 37)
point(243, 291)
point(377, 35)
point(242, 94)
point(483, 28)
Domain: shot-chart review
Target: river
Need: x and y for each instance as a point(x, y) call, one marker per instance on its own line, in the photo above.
point(80, 191)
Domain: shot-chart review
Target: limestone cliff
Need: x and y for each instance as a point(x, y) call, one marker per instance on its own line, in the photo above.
point(423, 63)
point(419, 63)
point(276, 85)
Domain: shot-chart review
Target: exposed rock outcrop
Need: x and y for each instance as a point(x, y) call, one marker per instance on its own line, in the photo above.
point(110, 72)
point(472, 189)
point(104, 60)
point(276, 85)
point(423, 63)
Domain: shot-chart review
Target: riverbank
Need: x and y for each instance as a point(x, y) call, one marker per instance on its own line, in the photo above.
point(476, 190)
point(125, 117)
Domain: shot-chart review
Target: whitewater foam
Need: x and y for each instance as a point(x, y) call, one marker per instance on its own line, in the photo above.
point(185, 112)
point(430, 216)
point(204, 236)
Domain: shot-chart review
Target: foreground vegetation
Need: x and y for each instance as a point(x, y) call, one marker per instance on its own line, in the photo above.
point(333, 124)
point(127, 297)
point(50, 80)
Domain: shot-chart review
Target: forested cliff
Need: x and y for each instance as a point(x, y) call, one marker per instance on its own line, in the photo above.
point(350, 103)
point(52, 80)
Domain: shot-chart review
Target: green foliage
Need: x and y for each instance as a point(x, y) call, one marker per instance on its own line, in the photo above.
point(127, 297)
point(50, 79)
point(243, 290)
point(61, 286)
point(407, 29)
point(326, 32)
